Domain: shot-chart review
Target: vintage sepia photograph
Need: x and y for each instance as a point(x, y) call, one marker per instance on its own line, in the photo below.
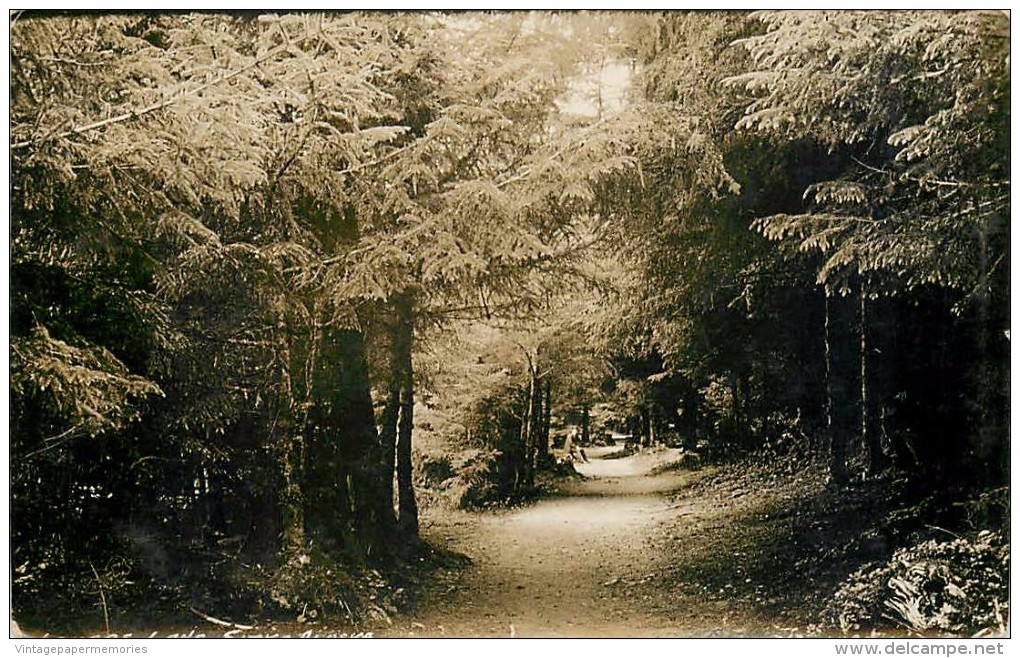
point(509, 324)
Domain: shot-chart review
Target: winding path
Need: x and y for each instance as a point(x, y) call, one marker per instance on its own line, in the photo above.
point(582, 564)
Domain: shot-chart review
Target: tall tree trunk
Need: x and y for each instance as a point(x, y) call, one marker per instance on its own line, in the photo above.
point(389, 419)
point(634, 429)
point(526, 477)
point(327, 501)
point(407, 518)
point(291, 446)
point(520, 447)
point(265, 519)
point(529, 434)
point(585, 424)
point(872, 398)
point(388, 439)
point(646, 426)
point(291, 503)
point(342, 492)
point(990, 414)
point(841, 360)
point(543, 445)
point(536, 419)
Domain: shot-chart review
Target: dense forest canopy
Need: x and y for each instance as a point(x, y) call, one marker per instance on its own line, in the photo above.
point(256, 259)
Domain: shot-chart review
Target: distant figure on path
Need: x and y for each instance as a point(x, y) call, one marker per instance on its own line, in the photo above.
point(573, 448)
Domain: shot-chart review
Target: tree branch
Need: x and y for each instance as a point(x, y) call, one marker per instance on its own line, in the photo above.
point(939, 183)
point(528, 171)
point(386, 158)
point(218, 622)
point(155, 107)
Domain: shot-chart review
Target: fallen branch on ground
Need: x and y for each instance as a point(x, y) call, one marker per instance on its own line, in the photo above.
point(220, 622)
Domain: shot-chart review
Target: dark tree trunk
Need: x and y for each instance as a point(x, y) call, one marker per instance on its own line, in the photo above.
point(843, 393)
point(585, 424)
point(291, 449)
point(990, 414)
point(403, 345)
point(634, 429)
point(741, 411)
point(529, 434)
point(341, 490)
point(520, 448)
point(388, 438)
point(265, 528)
point(327, 501)
point(292, 499)
point(389, 420)
point(532, 416)
point(873, 387)
point(646, 426)
point(535, 427)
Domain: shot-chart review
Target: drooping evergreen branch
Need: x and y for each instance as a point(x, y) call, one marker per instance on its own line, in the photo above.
point(933, 181)
point(167, 102)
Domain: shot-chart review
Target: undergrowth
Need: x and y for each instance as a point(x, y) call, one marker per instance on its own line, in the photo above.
point(939, 581)
point(957, 587)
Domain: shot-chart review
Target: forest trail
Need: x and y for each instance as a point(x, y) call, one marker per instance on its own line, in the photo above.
point(594, 561)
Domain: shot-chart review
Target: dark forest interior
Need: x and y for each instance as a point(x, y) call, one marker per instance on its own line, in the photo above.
point(294, 295)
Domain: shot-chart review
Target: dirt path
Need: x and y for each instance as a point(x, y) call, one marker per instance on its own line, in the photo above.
point(588, 563)
point(748, 549)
